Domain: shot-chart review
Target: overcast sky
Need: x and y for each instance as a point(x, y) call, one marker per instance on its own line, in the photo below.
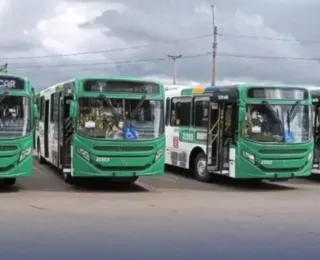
point(101, 37)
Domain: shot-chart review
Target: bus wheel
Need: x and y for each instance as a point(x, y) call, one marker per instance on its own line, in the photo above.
point(199, 168)
point(9, 181)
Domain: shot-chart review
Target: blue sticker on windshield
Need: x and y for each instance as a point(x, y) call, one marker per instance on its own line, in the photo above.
point(130, 133)
point(289, 137)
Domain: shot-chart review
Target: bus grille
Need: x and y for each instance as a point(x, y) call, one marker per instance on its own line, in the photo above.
point(123, 148)
point(283, 151)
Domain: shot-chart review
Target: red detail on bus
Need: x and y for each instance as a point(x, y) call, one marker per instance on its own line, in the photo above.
point(175, 142)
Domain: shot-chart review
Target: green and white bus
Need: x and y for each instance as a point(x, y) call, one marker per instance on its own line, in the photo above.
point(248, 131)
point(103, 127)
point(17, 126)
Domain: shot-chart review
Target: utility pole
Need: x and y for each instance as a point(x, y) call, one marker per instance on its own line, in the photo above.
point(214, 46)
point(174, 58)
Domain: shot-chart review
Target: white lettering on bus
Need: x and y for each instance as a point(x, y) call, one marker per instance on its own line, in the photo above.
point(7, 83)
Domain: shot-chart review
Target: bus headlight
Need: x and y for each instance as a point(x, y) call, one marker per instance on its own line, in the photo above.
point(249, 156)
point(158, 154)
point(25, 153)
point(84, 154)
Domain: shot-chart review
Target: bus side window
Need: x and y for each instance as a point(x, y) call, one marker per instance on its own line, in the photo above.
point(200, 114)
point(51, 107)
point(42, 107)
point(181, 112)
point(55, 107)
point(173, 113)
point(168, 111)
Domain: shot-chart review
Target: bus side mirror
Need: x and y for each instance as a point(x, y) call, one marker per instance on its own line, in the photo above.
point(36, 112)
point(72, 111)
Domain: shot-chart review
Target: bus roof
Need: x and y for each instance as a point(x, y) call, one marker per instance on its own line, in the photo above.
point(258, 85)
point(53, 87)
point(177, 90)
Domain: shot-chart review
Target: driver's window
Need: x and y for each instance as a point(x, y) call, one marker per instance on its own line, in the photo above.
point(247, 123)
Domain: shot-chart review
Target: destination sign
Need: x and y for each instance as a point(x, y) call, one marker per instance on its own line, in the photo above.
point(278, 93)
point(121, 86)
point(9, 82)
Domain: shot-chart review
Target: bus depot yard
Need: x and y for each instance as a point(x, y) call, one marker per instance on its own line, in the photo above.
point(134, 163)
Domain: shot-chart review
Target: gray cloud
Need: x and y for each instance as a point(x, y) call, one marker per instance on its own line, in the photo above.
point(144, 21)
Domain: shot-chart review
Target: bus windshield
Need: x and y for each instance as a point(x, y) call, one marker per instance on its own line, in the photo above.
point(109, 118)
point(278, 123)
point(15, 118)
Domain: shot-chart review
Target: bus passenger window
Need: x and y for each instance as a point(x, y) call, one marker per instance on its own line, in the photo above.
point(173, 113)
point(180, 112)
point(201, 113)
point(167, 112)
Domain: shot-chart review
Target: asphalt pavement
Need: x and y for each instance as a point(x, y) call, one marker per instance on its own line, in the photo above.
point(166, 217)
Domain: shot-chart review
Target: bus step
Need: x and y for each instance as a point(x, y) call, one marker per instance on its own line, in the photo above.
point(211, 168)
point(66, 170)
point(224, 172)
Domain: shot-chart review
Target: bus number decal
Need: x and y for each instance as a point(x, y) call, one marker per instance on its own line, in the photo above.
point(266, 162)
point(102, 159)
point(186, 136)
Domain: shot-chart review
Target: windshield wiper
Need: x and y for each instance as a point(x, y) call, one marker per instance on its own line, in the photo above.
point(108, 101)
point(135, 111)
point(3, 96)
point(273, 111)
point(293, 111)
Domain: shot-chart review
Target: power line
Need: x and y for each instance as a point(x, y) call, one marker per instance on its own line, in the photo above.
point(268, 38)
point(108, 50)
point(95, 65)
point(267, 57)
point(115, 63)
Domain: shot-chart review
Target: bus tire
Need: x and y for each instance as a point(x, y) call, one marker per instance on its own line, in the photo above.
point(9, 181)
point(39, 157)
point(199, 168)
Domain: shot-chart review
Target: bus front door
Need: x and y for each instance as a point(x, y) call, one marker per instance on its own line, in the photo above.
point(220, 136)
point(65, 132)
point(213, 136)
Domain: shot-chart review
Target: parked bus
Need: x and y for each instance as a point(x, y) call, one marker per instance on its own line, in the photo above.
point(17, 125)
point(248, 131)
point(103, 127)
